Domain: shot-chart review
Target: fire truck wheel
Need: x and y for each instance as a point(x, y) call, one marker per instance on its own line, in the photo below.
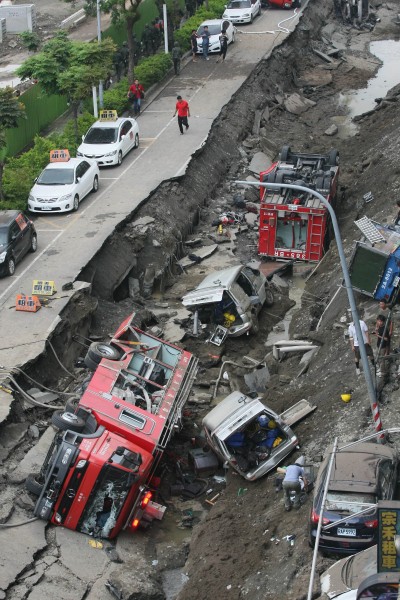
point(90, 363)
point(67, 420)
point(32, 485)
point(72, 405)
point(333, 158)
point(285, 153)
point(98, 350)
point(269, 297)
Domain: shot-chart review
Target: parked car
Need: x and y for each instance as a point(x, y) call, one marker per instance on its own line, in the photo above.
point(232, 430)
point(342, 579)
point(283, 3)
point(242, 11)
point(215, 27)
point(108, 141)
point(63, 184)
point(17, 237)
point(232, 297)
point(361, 475)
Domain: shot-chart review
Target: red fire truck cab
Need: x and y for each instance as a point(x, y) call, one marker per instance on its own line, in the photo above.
point(98, 475)
point(295, 225)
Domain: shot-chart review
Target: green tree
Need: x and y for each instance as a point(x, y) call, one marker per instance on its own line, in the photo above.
point(30, 40)
point(69, 68)
point(122, 11)
point(11, 109)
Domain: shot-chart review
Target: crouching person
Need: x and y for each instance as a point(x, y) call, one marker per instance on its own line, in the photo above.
point(293, 483)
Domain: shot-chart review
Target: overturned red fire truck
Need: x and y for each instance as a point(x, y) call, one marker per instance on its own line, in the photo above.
point(295, 225)
point(99, 472)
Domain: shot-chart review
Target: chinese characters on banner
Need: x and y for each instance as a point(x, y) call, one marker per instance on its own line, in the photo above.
point(389, 528)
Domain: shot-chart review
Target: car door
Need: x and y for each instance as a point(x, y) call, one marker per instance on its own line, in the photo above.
point(256, 282)
point(25, 226)
point(86, 180)
point(17, 240)
point(129, 139)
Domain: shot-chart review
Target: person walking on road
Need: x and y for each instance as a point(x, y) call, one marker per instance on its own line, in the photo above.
point(205, 36)
point(355, 346)
point(176, 57)
point(223, 40)
point(136, 95)
point(182, 108)
point(193, 44)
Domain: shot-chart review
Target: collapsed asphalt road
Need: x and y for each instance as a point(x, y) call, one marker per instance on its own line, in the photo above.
point(231, 554)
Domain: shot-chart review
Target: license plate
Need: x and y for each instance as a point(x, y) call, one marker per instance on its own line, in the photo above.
point(346, 532)
point(46, 208)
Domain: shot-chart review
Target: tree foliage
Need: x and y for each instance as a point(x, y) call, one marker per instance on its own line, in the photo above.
point(30, 40)
point(125, 12)
point(11, 109)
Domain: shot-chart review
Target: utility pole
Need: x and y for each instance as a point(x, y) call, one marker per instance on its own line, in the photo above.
point(165, 20)
point(101, 99)
point(349, 290)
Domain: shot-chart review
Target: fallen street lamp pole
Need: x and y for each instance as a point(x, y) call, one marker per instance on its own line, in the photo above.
point(349, 289)
point(101, 98)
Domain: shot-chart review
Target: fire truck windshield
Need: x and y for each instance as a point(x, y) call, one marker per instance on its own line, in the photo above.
point(105, 501)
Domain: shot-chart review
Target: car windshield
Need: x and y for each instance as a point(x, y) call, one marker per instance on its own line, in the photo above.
point(212, 29)
point(239, 4)
point(348, 502)
point(56, 177)
point(3, 236)
point(101, 135)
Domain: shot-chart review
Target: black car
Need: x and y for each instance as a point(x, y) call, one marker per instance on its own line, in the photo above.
point(17, 237)
point(361, 475)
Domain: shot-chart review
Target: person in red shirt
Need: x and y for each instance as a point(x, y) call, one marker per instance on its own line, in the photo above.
point(182, 108)
point(135, 95)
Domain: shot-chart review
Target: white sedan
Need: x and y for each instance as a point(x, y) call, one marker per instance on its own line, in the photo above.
point(107, 142)
point(242, 11)
point(62, 185)
point(215, 28)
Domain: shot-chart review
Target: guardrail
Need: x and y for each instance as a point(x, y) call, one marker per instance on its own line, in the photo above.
point(73, 20)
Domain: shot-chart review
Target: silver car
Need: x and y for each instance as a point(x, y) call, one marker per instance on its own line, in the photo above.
point(232, 297)
point(233, 431)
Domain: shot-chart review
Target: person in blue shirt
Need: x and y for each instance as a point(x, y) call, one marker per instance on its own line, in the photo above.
point(292, 483)
point(205, 36)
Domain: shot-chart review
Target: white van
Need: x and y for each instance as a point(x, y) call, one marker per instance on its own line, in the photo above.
point(232, 297)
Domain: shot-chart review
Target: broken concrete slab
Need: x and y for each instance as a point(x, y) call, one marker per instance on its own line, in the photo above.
point(171, 555)
point(143, 221)
point(306, 360)
point(257, 122)
point(17, 555)
point(314, 78)
point(12, 434)
point(296, 104)
point(79, 557)
point(58, 583)
point(259, 162)
point(33, 460)
point(251, 219)
point(257, 380)
point(266, 114)
point(6, 401)
point(45, 397)
point(203, 253)
point(332, 130)
point(322, 55)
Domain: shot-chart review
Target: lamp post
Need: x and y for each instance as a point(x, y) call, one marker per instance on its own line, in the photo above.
point(101, 98)
point(349, 290)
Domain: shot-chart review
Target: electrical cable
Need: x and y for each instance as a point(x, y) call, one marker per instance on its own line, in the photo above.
point(280, 28)
point(59, 362)
point(5, 525)
point(30, 399)
point(9, 370)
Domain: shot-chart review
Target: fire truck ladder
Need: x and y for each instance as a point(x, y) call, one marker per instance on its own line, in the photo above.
point(316, 240)
point(369, 230)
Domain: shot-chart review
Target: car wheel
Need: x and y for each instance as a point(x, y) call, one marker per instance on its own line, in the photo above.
point(32, 485)
point(95, 184)
point(259, 11)
point(269, 297)
point(33, 246)
point(10, 266)
point(136, 141)
point(251, 19)
point(76, 203)
point(98, 350)
point(67, 421)
point(285, 153)
point(233, 38)
point(119, 158)
point(333, 158)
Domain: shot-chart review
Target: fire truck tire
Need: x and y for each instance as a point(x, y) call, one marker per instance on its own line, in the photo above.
point(90, 363)
point(72, 405)
point(98, 350)
point(269, 297)
point(285, 153)
point(32, 485)
point(333, 158)
point(67, 421)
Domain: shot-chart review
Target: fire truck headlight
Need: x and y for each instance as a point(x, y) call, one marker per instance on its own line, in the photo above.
point(57, 518)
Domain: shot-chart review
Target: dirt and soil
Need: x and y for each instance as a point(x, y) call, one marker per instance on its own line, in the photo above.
point(232, 553)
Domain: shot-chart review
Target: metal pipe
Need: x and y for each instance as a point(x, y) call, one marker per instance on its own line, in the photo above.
point(348, 286)
point(165, 19)
point(101, 97)
point(319, 528)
